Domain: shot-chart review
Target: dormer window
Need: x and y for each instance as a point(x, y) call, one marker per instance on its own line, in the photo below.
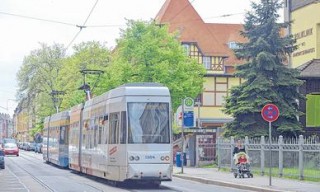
point(233, 45)
point(186, 48)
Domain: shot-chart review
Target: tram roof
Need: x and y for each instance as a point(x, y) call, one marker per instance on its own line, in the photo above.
point(132, 89)
point(60, 115)
point(140, 89)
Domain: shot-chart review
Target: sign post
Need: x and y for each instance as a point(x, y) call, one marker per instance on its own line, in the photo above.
point(187, 122)
point(270, 113)
point(188, 113)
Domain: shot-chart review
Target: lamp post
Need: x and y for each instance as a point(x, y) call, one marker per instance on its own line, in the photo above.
point(198, 103)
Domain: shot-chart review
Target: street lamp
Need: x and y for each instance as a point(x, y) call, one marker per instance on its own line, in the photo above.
point(198, 103)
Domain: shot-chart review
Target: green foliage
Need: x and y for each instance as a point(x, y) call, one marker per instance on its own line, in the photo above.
point(36, 129)
point(145, 53)
point(87, 56)
point(267, 78)
point(148, 53)
point(38, 76)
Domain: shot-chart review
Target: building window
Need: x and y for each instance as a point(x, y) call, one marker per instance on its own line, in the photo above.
point(186, 48)
point(220, 98)
point(233, 45)
point(206, 62)
point(209, 99)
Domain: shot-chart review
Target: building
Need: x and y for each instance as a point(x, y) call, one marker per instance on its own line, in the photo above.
point(305, 28)
point(6, 126)
point(22, 124)
point(212, 46)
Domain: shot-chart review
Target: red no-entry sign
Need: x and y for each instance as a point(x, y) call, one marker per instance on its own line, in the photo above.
point(270, 112)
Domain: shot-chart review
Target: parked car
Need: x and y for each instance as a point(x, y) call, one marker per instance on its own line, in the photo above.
point(25, 146)
point(2, 164)
point(11, 149)
point(32, 146)
point(38, 148)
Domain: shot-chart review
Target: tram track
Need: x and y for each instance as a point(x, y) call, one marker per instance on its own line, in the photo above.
point(31, 157)
point(32, 176)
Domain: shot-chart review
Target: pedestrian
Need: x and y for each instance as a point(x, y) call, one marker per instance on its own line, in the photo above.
point(239, 147)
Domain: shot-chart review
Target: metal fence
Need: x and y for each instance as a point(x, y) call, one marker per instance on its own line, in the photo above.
point(295, 158)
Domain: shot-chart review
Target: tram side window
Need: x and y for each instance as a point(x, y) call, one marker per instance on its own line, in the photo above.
point(100, 130)
point(62, 135)
point(114, 128)
point(95, 131)
point(85, 135)
point(105, 125)
point(123, 132)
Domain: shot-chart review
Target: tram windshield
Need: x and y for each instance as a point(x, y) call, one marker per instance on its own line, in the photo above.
point(148, 123)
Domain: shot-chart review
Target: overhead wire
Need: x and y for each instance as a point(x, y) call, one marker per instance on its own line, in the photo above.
point(213, 17)
point(82, 26)
point(38, 19)
point(97, 26)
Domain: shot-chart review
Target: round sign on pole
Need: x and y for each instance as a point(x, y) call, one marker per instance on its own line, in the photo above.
point(270, 112)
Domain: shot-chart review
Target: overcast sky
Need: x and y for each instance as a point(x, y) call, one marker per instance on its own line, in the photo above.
point(20, 35)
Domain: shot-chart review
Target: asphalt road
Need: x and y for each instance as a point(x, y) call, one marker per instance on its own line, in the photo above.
point(28, 173)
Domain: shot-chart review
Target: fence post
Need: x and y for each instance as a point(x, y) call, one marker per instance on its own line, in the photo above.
point(219, 152)
point(280, 143)
point(301, 142)
point(232, 144)
point(262, 145)
point(246, 144)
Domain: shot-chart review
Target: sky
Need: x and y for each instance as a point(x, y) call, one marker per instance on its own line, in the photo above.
point(24, 24)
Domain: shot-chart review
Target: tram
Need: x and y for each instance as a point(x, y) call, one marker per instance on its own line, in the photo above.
point(123, 135)
point(55, 142)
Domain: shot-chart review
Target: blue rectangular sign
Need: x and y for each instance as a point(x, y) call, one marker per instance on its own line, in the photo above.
point(188, 119)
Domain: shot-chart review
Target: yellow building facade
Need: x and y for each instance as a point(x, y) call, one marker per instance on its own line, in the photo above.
point(22, 126)
point(306, 30)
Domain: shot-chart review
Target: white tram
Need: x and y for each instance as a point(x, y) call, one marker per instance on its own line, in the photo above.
point(124, 134)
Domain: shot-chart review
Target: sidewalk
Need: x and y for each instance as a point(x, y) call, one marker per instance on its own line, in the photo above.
point(257, 183)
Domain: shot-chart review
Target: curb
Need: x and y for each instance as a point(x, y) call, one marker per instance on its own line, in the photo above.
point(228, 184)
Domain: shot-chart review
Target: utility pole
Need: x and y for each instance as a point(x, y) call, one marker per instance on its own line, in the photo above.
point(56, 98)
point(182, 137)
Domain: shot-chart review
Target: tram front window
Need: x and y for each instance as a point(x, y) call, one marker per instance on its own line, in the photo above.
point(148, 123)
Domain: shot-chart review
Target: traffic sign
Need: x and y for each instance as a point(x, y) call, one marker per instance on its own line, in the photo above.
point(188, 113)
point(270, 112)
point(188, 104)
point(188, 119)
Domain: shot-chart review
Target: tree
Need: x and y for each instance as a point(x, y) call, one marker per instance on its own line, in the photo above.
point(267, 78)
point(38, 76)
point(88, 55)
point(146, 52)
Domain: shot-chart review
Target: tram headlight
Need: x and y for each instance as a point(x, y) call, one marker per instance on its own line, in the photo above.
point(131, 158)
point(164, 158)
point(137, 158)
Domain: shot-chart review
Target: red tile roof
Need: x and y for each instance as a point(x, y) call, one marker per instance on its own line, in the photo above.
point(227, 33)
point(212, 39)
